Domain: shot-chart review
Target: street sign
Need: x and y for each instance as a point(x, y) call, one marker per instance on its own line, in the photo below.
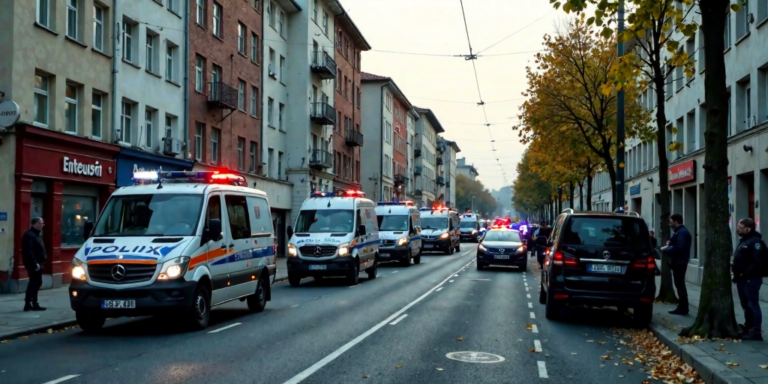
point(9, 114)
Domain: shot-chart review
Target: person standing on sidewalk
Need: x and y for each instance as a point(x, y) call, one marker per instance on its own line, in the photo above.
point(33, 255)
point(656, 254)
point(679, 250)
point(747, 262)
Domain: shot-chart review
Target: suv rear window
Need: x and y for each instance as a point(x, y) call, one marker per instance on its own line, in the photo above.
point(606, 232)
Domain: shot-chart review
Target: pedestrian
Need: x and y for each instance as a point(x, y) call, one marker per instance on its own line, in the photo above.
point(679, 250)
point(542, 237)
point(33, 255)
point(747, 263)
point(656, 254)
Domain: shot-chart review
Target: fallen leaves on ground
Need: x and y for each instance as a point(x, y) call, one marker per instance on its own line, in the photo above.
point(365, 376)
point(459, 338)
point(661, 363)
point(532, 350)
point(732, 364)
point(763, 366)
point(439, 369)
point(398, 366)
point(529, 326)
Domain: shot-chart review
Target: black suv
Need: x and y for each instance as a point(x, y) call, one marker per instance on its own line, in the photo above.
point(599, 259)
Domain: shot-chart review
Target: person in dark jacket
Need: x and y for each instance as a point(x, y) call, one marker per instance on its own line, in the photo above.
point(679, 250)
point(541, 237)
point(747, 262)
point(33, 255)
point(656, 255)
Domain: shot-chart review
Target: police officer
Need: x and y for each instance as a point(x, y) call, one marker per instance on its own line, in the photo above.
point(33, 255)
point(747, 260)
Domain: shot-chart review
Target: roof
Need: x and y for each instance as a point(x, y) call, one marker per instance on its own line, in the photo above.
point(290, 6)
point(366, 77)
point(346, 23)
point(471, 168)
point(452, 144)
point(334, 6)
point(192, 188)
point(432, 119)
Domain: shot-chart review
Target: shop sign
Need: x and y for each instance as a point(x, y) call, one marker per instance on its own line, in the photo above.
point(682, 173)
point(131, 161)
point(634, 190)
point(76, 167)
point(9, 114)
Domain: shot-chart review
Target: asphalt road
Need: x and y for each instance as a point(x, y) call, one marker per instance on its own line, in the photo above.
point(399, 328)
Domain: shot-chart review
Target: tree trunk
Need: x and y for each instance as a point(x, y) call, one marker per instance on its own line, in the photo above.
point(571, 188)
point(716, 317)
point(581, 196)
point(611, 168)
point(589, 192)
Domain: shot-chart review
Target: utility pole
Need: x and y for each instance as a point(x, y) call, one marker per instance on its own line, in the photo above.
point(619, 198)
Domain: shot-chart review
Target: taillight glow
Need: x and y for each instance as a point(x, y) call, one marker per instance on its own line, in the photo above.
point(560, 259)
point(649, 263)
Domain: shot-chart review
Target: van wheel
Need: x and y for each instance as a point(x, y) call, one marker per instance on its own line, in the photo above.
point(354, 277)
point(450, 250)
point(406, 262)
point(458, 247)
point(199, 313)
point(258, 301)
point(294, 280)
point(89, 322)
point(373, 271)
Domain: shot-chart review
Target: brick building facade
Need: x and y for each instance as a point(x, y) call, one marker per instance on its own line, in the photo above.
point(399, 147)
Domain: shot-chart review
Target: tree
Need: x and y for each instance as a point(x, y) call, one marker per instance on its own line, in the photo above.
point(465, 190)
point(531, 192)
point(566, 90)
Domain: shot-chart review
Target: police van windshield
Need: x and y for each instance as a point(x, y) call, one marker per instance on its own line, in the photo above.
point(150, 215)
point(325, 220)
point(434, 222)
point(468, 224)
point(393, 222)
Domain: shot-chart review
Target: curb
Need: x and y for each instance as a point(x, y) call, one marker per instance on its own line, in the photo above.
point(708, 368)
point(42, 328)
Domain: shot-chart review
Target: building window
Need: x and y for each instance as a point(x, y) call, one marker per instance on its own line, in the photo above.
point(252, 154)
point(170, 123)
point(346, 88)
point(314, 11)
point(742, 28)
point(200, 12)
point(98, 28)
point(727, 31)
point(44, 13)
point(70, 111)
point(254, 101)
point(241, 95)
point(255, 4)
point(41, 99)
point(281, 23)
point(199, 70)
point(240, 153)
point(280, 110)
point(271, 14)
point(325, 23)
point(170, 54)
point(151, 53)
point(127, 41)
point(126, 119)
point(282, 68)
point(75, 212)
point(149, 127)
point(338, 41)
point(215, 145)
point(254, 48)
point(173, 6)
point(96, 115)
point(279, 165)
point(241, 38)
point(270, 161)
point(215, 79)
point(72, 19)
point(270, 107)
point(199, 128)
point(216, 20)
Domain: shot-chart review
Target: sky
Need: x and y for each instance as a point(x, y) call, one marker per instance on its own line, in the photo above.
point(421, 35)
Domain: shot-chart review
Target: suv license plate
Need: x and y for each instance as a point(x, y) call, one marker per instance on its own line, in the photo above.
point(383, 254)
point(605, 268)
point(501, 257)
point(318, 267)
point(118, 304)
point(427, 246)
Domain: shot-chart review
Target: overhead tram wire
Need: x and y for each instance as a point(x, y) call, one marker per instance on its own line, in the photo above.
point(516, 32)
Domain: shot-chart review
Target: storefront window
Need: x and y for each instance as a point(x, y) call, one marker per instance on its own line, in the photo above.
point(75, 212)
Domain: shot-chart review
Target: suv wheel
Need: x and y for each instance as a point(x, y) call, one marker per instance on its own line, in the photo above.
point(643, 315)
point(542, 295)
point(553, 309)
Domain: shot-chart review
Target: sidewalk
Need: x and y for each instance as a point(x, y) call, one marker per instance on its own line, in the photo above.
point(716, 361)
point(14, 322)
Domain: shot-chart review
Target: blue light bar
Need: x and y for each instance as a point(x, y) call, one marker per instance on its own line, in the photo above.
point(322, 194)
point(401, 203)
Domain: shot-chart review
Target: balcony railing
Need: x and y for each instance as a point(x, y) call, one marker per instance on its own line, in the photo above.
point(400, 179)
point(323, 65)
point(439, 161)
point(354, 138)
point(320, 159)
point(440, 180)
point(417, 152)
point(221, 95)
point(417, 170)
point(323, 113)
point(417, 192)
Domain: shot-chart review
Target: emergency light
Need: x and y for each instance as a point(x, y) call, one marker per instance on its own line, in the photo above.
point(405, 203)
point(143, 177)
point(347, 193)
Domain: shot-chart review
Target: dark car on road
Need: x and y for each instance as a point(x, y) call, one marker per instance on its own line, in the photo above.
point(599, 259)
point(501, 246)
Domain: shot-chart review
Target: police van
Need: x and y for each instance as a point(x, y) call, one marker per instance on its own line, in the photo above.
point(175, 243)
point(469, 226)
point(440, 229)
point(400, 232)
point(334, 236)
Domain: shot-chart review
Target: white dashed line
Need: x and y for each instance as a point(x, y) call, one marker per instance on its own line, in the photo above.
point(451, 281)
point(534, 328)
point(227, 327)
point(439, 289)
point(528, 295)
point(59, 380)
point(526, 289)
point(398, 319)
point(542, 370)
point(537, 346)
point(530, 305)
point(295, 305)
point(395, 271)
point(526, 284)
point(533, 315)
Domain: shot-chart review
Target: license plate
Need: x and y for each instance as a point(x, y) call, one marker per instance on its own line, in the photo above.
point(318, 267)
point(501, 257)
point(384, 254)
point(118, 304)
point(605, 268)
point(427, 245)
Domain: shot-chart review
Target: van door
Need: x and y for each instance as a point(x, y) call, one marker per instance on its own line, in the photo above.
point(372, 228)
point(217, 250)
point(241, 268)
point(263, 235)
point(416, 225)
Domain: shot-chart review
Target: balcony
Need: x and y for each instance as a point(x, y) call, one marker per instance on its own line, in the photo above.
point(354, 138)
point(400, 179)
point(417, 192)
point(320, 159)
point(323, 113)
point(440, 180)
point(323, 65)
point(439, 161)
point(417, 153)
point(222, 95)
point(440, 149)
point(417, 170)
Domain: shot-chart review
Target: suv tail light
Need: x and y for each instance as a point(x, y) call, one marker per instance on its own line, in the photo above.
point(560, 259)
point(649, 263)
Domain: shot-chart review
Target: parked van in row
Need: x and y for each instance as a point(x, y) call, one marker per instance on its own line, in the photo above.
point(440, 229)
point(400, 232)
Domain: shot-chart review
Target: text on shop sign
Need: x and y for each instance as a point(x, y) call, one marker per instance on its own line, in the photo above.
point(75, 167)
point(682, 172)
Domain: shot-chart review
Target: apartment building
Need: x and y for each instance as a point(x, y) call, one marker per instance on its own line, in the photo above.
point(747, 80)
point(449, 151)
point(348, 138)
point(425, 171)
point(60, 158)
point(410, 184)
point(399, 147)
point(466, 169)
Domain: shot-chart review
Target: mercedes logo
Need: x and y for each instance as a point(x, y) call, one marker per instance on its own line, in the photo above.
point(606, 255)
point(318, 251)
point(118, 272)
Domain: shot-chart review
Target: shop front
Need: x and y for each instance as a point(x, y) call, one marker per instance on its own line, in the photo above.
point(66, 180)
point(132, 160)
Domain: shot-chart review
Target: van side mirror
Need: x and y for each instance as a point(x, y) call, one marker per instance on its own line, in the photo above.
point(87, 229)
point(213, 232)
point(289, 230)
point(361, 230)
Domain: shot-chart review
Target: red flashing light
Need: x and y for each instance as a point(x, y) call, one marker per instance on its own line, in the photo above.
point(224, 176)
point(354, 193)
point(649, 263)
point(560, 259)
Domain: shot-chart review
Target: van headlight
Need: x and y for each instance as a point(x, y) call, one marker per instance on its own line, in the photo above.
point(402, 241)
point(344, 250)
point(174, 268)
point(78, 270)
point(292, 250)
point(520, 250)
point(445, 235)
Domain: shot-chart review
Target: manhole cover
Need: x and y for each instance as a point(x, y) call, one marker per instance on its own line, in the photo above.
point(474, 357)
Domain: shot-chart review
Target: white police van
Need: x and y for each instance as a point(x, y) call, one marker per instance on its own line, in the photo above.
point(400, 232)
point(440, 229)
point(176, 243)
point(334, 236)
point(469, 226)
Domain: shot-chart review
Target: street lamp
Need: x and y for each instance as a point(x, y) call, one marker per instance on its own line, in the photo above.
point(620, 118)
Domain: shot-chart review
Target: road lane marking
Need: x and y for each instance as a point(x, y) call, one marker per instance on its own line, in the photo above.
point(530, 305)
point(526, 289)
point(451, 280)
point(295, 305)
point(335, 354)
point(59, 380)
point(534, 328)
point(224, 328)
point(439, 289)
point(526, 284)
point(528, 295)
point(399, 319)
point(479, 279)
point(537, 346)
point(533, 315)
point(542, 370)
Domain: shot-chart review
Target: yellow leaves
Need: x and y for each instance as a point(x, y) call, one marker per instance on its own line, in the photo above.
point(459, 338)
point(640, 33)
point(735, 7)
point(606, 89)
point(675, 146)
